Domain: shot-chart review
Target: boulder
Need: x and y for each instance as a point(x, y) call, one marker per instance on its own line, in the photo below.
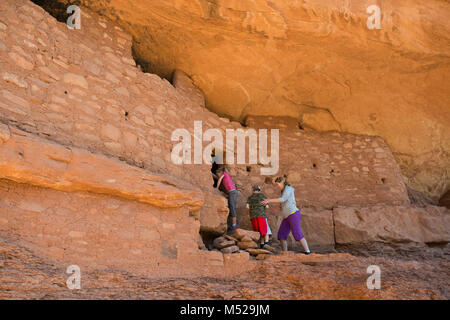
point(246, 238)
point(231, 249)
point(213, 214)
point(317, 227)
point(247, 245)
point(228, 237)
point(392, 224)
point(240, 233)
point(270, 248)
point(221, 243)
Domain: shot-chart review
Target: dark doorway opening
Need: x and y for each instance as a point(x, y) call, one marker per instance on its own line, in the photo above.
point(55, 8)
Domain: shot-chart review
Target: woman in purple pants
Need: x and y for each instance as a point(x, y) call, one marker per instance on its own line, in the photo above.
point(291, 215)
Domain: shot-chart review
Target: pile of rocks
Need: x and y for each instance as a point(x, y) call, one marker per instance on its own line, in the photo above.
point(242, 240)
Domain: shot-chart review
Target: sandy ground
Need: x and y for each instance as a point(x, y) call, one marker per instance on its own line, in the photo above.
point(421, 274)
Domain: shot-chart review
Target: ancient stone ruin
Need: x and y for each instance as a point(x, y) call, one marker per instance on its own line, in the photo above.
point(87, 118)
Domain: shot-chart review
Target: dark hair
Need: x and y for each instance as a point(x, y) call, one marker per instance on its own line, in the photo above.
point(221, 168)
point(256, 188)
point(283, 179)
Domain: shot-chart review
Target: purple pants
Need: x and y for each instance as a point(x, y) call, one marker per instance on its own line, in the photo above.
point(291, 223)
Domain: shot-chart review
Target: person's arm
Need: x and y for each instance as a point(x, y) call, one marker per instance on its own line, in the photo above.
point(284, 198)
point(267, 201)
point(219, 181)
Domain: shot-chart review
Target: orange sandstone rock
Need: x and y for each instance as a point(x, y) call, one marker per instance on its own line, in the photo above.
point(247, 245)
point(230, 249)
point(221, 243)
point(27, 159)
point(255, 252)
point(241, 233)
point(392, 224)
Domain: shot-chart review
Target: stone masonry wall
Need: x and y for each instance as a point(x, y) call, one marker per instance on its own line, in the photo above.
point(330, 169)
point(82, 88)
point(327, 170)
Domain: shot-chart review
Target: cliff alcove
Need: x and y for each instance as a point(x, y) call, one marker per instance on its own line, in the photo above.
point(87, 169)
point(315, 61)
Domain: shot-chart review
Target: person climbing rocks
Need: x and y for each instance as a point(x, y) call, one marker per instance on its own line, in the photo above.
point(291, 215)
point(258, 216)
point(214, 167)
point(230, 190)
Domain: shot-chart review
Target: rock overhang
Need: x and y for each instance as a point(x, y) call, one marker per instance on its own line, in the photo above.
point(315, 61)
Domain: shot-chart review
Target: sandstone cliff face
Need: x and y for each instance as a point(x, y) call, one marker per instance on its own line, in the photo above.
point(315, 61)
point(394, 224)
point(85, 160)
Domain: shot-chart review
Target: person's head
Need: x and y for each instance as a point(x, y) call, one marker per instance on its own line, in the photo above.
point(281, 182)
point(220, 170)
point(256, 189)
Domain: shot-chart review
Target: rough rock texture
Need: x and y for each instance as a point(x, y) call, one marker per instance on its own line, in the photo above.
point(392, 224)
point(230, 249)
point(315, 61)
point(396, 225)
point(118, 111)
point(317, 227)
point(326, 169)
point(255, 252)
point(445, 200)
point(243, 245)
point(214, 214)
point(86, 174)
point(419, 199)
point(24, 275)
point(228, 237)
point(221, 242)
point(25, 158)
point(241, 233)
point(97, 231)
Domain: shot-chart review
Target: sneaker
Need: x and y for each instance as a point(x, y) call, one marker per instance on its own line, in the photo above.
point(309, 252)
